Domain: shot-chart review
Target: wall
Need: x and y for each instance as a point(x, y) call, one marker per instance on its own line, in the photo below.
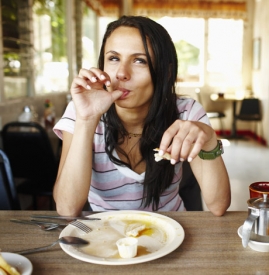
point(260, 78)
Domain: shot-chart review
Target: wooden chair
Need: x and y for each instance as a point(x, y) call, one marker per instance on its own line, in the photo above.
point(32, 159)
point(8, 194)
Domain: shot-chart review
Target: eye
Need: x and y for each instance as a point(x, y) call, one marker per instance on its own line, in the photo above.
point(113, 58)
point(140, 60)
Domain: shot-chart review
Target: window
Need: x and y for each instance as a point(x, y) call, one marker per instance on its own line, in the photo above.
point(225, 45)
point(17, 47)
point(209, 51)
point(188, 37)
point(89, 38)
point(50, 62)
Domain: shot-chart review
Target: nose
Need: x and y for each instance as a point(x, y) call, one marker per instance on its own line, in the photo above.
point(123, 72)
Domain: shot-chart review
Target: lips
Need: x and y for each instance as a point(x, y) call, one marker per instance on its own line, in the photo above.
point(125, 93)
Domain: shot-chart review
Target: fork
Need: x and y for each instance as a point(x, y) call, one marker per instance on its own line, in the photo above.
point(81, 226)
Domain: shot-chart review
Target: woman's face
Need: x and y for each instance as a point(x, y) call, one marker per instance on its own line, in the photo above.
point(127, 65)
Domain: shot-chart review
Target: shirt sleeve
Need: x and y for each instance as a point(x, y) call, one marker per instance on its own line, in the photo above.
point(190, 109)
point(67, 121)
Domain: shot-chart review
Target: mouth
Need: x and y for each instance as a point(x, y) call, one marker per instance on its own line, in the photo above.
point(125, 93)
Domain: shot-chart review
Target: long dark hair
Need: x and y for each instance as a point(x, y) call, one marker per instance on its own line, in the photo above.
point(162, 112)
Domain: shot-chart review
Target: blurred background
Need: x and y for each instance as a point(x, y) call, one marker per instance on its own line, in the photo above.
point(222, 47)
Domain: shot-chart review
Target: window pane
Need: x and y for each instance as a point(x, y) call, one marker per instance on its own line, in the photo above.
point(93, 30)
point(50, 44)
point(17, 47)
point(89, 38)
point(225, 44)
point(188, 37)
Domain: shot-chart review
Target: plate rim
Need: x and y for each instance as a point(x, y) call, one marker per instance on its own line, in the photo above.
point(26, 263)
point(177, 241)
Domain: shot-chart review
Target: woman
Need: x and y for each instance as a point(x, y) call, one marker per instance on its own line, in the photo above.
point(121, 111)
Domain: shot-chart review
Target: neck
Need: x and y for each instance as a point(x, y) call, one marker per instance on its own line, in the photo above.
point(132, 120)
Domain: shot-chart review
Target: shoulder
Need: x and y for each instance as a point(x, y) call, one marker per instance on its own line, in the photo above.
point(190, 109)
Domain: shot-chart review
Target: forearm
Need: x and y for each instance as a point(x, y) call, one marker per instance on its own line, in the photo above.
point(74, 176)
point(214, 182)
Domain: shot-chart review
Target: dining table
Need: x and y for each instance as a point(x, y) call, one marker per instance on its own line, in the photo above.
point(234, 98)
point(211, 245)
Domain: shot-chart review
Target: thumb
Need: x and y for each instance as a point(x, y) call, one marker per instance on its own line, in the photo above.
point(116, 95)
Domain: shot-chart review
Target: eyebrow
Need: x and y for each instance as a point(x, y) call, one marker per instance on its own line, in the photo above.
point(134, 54)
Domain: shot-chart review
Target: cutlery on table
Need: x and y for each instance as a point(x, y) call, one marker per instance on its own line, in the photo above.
point(77, 224)
point(43, 226)
point(68, 218)
point(65, 240)
point(49, 226)
point(81, 226)
point(49, 222)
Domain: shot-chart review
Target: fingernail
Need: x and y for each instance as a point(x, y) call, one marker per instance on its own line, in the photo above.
point(88, 87)
point(181, 159)
point(107, 83)
point(102, 77)
point(189, 159)
point(93, 79)
point(172, 161)
point(160, 152)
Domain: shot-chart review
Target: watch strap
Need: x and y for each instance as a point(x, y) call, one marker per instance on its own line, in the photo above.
point(216, 152)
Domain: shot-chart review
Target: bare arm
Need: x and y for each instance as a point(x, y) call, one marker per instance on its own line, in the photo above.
point(74, 175)
point(214, 182)
point(184, 140)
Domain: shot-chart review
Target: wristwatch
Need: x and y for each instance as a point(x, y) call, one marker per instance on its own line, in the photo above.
point(216, 152)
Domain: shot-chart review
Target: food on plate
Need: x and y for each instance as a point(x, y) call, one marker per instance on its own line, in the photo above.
point(166, 156)
point(127, 247)
point(136, 230)
point(6, 269)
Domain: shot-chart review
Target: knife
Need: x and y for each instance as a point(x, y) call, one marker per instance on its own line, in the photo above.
point(64, 217)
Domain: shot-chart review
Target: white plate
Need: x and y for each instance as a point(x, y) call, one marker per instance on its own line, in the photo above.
point(257, 246)
point(161, 236)
point(21, 263)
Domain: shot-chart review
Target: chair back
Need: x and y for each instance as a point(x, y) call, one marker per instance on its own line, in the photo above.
point(29, 150)
point(8, 194)
point(189, 189)
point(250, 109)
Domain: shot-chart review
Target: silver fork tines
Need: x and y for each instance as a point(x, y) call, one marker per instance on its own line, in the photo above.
point(81, 226)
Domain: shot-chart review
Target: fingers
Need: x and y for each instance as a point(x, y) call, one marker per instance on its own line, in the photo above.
point(184, 140)
point(91, 79)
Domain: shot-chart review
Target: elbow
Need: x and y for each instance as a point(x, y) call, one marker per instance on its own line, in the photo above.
point(65, 211)
point(218, 212)
point(63, 208)
point(220, 209)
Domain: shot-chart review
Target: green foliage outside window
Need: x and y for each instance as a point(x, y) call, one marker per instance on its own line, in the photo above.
point(188, 55)
point(55, 9)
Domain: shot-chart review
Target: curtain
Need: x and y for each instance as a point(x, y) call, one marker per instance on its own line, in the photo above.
point(236, 9)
